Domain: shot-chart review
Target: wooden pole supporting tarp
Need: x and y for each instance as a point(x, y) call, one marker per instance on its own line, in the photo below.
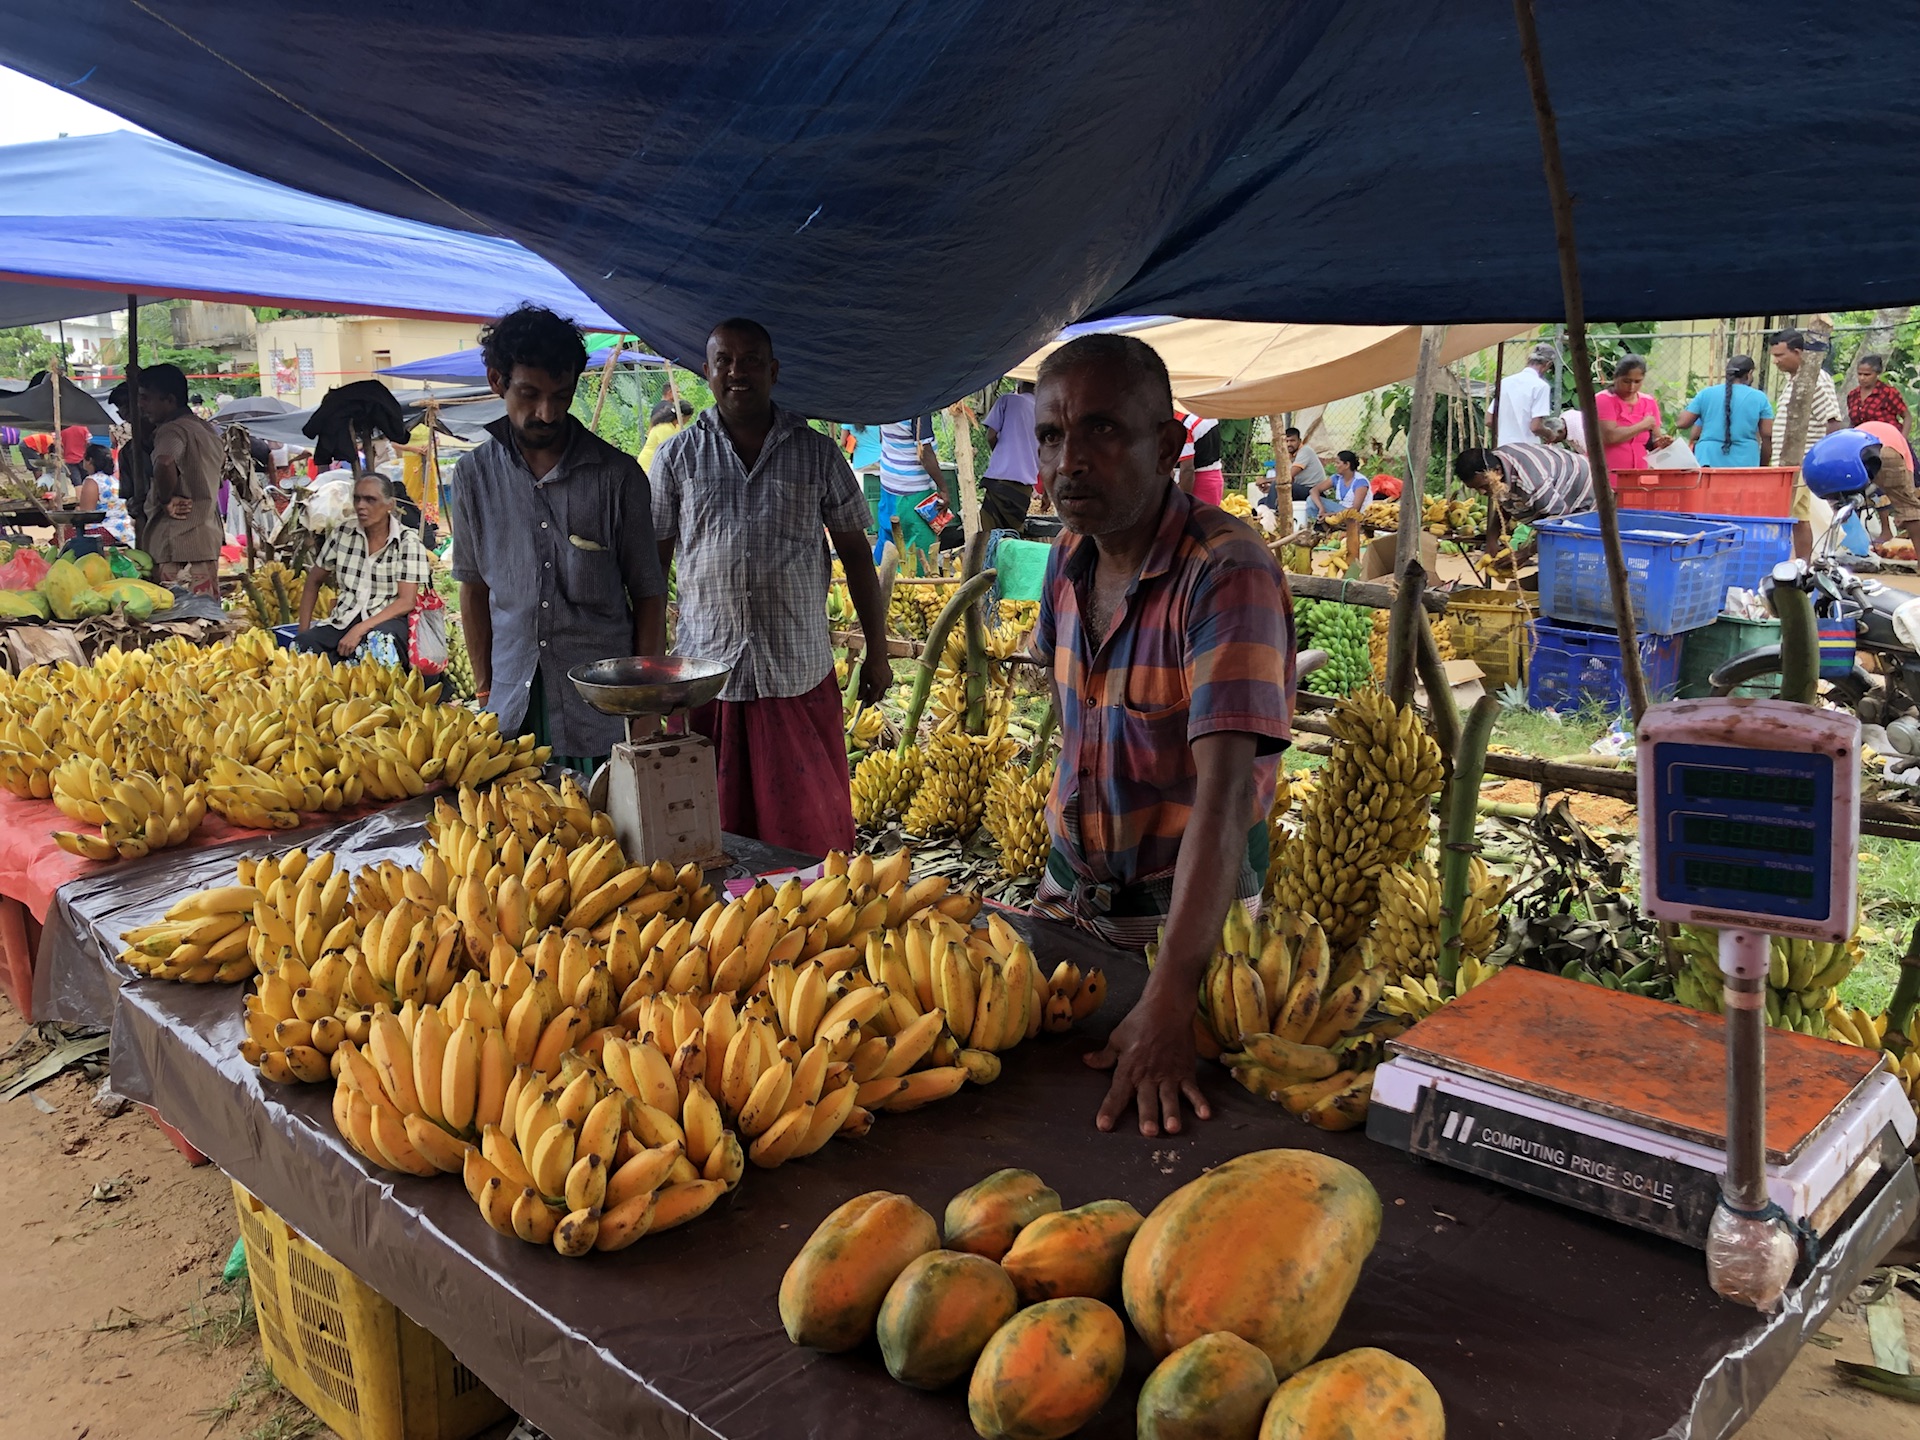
point(1624, 621)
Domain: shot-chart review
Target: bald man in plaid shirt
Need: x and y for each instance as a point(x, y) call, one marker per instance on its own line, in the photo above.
point(1169, 632)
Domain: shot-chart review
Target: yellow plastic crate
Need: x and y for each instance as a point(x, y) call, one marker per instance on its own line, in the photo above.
point(1493, 629)
point(345, 1353)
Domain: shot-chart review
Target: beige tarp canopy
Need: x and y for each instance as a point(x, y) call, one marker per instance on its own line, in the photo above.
point(1232, 370)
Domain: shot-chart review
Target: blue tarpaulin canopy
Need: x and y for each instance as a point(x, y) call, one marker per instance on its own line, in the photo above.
point(466, 367)
point(84, 222)
point(913, 197)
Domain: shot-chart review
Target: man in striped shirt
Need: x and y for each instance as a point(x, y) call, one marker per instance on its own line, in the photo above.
point(1788, 350)
point(1168, 630)
point(909, 473)
point(1524, 483)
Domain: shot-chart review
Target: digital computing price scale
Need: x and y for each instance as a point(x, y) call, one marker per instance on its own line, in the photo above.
point(1619, 1104)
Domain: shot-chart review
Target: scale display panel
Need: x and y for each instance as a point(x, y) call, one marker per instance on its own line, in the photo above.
point(1750, 815)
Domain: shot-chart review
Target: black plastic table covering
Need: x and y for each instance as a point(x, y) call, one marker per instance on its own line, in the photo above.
point(1532, 1320)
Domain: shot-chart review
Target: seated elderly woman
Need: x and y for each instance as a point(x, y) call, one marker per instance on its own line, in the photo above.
point(377, 565)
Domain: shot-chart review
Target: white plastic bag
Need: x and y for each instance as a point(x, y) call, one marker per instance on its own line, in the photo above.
point(1677, 456)
point(330, 503)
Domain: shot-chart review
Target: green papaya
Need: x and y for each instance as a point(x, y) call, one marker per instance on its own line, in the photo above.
point(67, 590)
point(24, 605)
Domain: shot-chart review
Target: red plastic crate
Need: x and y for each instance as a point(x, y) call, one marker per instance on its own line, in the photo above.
point(1765, 490)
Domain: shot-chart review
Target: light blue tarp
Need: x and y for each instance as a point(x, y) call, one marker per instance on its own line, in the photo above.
point(466, 367)
point(87, 220)
point(913, 196)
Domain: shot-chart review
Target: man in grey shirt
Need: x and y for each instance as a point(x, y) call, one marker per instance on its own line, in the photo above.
point(553, 545)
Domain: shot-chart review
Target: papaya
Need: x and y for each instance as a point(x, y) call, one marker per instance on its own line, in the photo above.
point(832, 1292)
point(1072, 1252)
point(24, 605)
point(97, 569)
point(68, 594)
point(1214, 1388)
point(984, 1219)
point(1362, 1392)
point(939, 1315)
point(1268, 1246)
point(137, 596)
point(1047, 1371)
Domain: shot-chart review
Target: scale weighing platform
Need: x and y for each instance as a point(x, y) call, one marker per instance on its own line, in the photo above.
point(1620, 1105)
point(662, 791)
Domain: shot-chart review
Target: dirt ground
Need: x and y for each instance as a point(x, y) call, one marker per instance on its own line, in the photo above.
point(1604, 812)
point(118, 1326)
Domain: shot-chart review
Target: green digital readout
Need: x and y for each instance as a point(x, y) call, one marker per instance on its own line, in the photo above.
point(1700, 782)
point(1753, 879)
point(1748, 835)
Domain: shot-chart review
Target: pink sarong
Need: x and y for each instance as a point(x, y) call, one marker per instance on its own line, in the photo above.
point(783, 768)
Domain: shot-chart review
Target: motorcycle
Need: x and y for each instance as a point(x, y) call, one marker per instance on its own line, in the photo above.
point(1888, 693)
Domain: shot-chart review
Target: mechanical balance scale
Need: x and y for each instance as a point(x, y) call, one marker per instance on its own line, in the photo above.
point(661, 790)
point(1618, 1104)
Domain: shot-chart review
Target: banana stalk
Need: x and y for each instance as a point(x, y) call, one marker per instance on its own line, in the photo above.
point(1402, 639)
point(1906, 991)
point(964, 594)
point(1799, 645)
point(976, 558)
point(1433, 674)
point(1051, 715)
point(1469, 765)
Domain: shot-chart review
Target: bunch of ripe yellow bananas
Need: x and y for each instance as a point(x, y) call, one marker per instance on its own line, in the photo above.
point(1405, 939)
point(1016, 818)
point(1418, 996)
point(151, 739)
point(1276, 1009)
point(1851, 1024)
point(951, 798)
point(203, 938)
point(1370, 810)
point(137, 813)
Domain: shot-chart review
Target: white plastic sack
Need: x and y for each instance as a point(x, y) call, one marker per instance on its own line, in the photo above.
point(1677, 456)
point(331, 503)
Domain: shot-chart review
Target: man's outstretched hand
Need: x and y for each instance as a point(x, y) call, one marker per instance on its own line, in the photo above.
point(1152, 1058)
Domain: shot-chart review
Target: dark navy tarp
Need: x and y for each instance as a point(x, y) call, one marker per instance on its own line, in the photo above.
point(464, 367)
point(912, 196)
point(125, 213)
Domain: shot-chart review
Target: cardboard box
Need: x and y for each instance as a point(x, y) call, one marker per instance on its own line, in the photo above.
point(1377, 559)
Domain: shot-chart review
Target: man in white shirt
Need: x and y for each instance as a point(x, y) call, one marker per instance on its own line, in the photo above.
point(1526, 399)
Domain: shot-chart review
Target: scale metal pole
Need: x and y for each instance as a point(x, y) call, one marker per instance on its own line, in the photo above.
point(1750, 1253)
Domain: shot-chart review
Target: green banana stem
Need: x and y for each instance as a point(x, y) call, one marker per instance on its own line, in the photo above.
point(976, 661)
point(1456, 856)
point(964, 595)
point(1799, 645)
point(1403, 635)
point(1433, 675)
point(1906, 991)
point(852, 687)
point(1047, 721)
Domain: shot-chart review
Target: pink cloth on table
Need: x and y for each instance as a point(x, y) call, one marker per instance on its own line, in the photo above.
point(1628, 454)
point(783, 768)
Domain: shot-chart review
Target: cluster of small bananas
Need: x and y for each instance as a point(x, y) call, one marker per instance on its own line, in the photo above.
point(256, 733)
point(459, 673)
point(951, 798)
point(866, 728)
point(1855, 1026)
point(916, 607)
point(1381, 515)
point(840, 611)
point(1235, 502)
point(1332, 563)
point(1370, 810)
point(1405, 939)
point(202, 938)
point(1377, 644)
point(1418, 996)
point(1287, 1021)
point(1803, 977)
point(1342, 631)
point(1450, 517)
point(1016, 818)
point(270, 596)
point(137, 813)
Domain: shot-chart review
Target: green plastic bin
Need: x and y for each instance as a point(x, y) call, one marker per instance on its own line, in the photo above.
point(1725, 639)
point(1022, 567)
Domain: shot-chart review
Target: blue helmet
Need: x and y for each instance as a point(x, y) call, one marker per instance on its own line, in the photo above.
point(1843, 463)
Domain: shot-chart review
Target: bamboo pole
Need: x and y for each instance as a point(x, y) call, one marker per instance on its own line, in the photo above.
point(135, 461)
point(963, 464)
point(1499, 378)
point(1634, 677)
point(606, 379)
point(1413, 494)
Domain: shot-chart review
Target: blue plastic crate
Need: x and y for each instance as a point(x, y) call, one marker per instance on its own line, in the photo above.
point(1764, 543)
point(285, 635)
point(1676, 570)
point(1571, 666)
